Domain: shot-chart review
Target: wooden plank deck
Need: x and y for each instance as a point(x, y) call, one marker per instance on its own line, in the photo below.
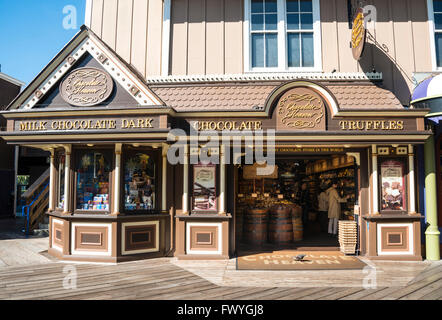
point(159, 279)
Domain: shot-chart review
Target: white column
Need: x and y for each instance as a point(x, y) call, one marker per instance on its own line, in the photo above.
point(412, 208)
point(67, 172)
point(186, 180)
point(117, 183)
point(51, 180)
point(222, 171)
point(164, 179)
point(374, 162)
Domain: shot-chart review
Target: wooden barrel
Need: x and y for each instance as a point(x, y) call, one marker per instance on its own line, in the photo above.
point(255, 226)
point(298, 228)
point(280, 225)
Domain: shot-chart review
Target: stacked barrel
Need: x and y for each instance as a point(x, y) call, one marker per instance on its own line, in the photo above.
point(281, 224)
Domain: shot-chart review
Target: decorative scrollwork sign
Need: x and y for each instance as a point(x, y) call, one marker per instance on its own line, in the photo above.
point(301, 109)
point(86, 87)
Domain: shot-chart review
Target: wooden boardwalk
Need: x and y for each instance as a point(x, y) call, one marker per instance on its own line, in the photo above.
point(159, 279)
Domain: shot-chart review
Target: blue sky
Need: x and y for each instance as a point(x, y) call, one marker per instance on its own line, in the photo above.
point(32, 33)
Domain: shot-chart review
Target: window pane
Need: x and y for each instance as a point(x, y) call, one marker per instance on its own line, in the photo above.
point(292, 6)
point(306, 21)
point(437, 5)
point(293, 21)
point(257, 50)
point(271, 50)
point(438, 41)
point(306, 6)
point(293, 49)
point(257, 6)
point(93, 182)
point(271, 6)
point(257, 22)
point(307, 50)
point(139, 183)
point(271, 21)
point(438, 21)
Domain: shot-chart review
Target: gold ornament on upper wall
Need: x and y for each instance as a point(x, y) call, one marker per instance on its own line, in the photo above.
point(301, 109)
point(358, 35)
point(86, 87)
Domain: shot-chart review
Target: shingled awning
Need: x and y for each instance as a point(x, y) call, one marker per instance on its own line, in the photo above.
point(252, 96)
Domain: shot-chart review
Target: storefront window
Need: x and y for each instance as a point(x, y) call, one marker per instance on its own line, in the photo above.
point(93, 181)
point(139, 183)
point(204, 190)
point(60, 193)
point(392, 186)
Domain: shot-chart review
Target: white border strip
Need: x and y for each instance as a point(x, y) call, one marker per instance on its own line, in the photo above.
point(142, 223)
point(88, 14)
point(430, 12)
point(92, 253)
point(165, 46)
point(199, 224)
point(53, 244)
point(265, 76)
point(11, 79)
point(397, 253)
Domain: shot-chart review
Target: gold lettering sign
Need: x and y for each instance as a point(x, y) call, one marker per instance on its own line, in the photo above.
point(86, 87)
point(227, 125)
point(83, 125)
point(358, 35)
point(301, 109)
point(371, 125)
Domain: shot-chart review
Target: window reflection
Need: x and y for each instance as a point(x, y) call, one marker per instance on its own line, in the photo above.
point(93, 182)
point(139, 182)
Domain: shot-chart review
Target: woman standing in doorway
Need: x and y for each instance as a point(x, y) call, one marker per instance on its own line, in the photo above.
point(334, 208)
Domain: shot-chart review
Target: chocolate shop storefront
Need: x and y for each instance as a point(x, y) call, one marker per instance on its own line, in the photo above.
point(116, 196)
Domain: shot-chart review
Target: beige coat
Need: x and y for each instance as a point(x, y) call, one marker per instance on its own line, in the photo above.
point(334, 203)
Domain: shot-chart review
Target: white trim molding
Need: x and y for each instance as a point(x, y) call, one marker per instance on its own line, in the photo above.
point(11, 80)
point(53, 244)
point(88, 14)
point(431, 27)
point(282, 40)
point(409, 226)
point(165, 45)
point(108, 226)
point(268, 76)
point(110, 63)
point(142, 223)
point(200, 224)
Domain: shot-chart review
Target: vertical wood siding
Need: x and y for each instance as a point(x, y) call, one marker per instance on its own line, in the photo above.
point(133, 28)
point(207, 37)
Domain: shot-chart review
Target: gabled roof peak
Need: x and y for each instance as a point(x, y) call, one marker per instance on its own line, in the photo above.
point(85, 42)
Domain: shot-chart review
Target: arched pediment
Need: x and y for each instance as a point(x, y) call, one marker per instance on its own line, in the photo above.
point(301, 105)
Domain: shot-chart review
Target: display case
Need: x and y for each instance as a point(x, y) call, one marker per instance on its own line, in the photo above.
point(139, 178)
point(92, 180)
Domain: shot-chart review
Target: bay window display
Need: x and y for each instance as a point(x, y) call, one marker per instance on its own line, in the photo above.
point(204, 187)
point(92, 181)
point(139, 182)
point(393, 189)
point(60, 178)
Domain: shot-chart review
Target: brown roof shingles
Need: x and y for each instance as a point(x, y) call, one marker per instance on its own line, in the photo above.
point(246, 97)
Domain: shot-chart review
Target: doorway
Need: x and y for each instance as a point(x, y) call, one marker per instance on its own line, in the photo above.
point(282, 210)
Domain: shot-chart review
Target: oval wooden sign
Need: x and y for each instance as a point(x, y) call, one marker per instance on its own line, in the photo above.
point(86, 87)
point(358, 35)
